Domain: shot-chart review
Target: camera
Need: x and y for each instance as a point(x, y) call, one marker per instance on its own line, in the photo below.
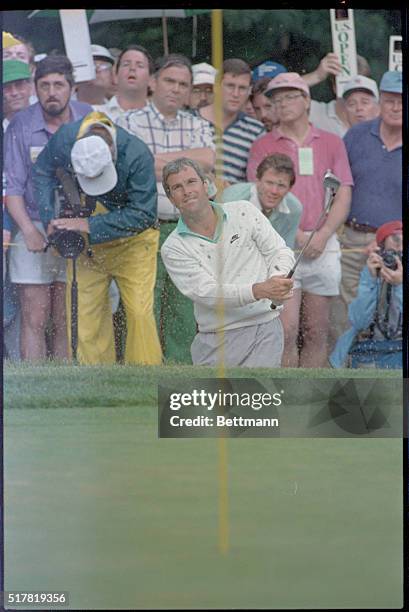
point(70, 202)
point(388, 258)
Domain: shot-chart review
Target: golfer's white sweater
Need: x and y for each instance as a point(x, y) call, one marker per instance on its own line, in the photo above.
point(211, 272)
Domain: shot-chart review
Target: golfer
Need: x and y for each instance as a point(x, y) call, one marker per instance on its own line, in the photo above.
point(231, 263)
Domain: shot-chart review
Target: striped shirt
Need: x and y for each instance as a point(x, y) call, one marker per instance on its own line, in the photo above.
point(185, 131)
point(238, 138)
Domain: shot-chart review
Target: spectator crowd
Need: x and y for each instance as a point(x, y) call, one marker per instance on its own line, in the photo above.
point(198, 187)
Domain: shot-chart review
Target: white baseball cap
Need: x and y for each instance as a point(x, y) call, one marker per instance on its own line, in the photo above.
point(99, 51)
point(203, 74)
point(361, 82)
point(92, 162)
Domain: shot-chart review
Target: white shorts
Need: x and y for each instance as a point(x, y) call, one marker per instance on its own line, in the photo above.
point(321, 276)
point(27, 268)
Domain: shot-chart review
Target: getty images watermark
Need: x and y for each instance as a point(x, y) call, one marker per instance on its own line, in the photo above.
point(240, 407)
point(202, 399)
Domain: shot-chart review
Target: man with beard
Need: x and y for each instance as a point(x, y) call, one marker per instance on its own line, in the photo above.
point(40, 276)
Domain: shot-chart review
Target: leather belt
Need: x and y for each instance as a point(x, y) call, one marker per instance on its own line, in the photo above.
point(361, 227)
point(161, 221)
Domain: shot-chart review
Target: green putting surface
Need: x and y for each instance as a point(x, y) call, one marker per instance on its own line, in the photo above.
point(97, 505)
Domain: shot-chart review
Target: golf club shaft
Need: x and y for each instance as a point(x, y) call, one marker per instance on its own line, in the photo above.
point(314, 231)
point(321, 217)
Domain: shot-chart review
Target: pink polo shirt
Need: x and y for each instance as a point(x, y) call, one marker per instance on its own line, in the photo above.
point(328, 152)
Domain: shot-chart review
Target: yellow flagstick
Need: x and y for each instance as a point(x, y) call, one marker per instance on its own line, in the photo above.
point(217, 61)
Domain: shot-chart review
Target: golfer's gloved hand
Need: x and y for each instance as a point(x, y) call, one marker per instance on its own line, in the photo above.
point(276, 288)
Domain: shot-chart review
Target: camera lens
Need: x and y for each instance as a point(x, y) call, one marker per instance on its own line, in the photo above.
point(389, 260)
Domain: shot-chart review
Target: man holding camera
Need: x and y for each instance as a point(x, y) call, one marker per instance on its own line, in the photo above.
point(117, 170)
point(375, 337)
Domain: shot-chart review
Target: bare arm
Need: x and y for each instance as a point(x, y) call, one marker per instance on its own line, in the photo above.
point(336, 216)
point(33, 238)
point(328, 65)
point(204, 156)
point(339, 210)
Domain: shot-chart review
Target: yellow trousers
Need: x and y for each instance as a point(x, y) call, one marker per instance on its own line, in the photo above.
point(132, 263)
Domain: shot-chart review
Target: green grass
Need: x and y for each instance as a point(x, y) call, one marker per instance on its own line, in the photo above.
point(52, 384)
point(97, 505)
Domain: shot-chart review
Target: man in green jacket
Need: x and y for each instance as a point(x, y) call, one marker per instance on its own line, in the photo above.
point(117, 169)
point(271, 194)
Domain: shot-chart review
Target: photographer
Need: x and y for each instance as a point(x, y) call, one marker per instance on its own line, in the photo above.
point(375, 338)
point(106, 162)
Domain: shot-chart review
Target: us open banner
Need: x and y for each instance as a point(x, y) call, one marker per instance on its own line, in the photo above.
point(344, 45)
point(77, 43)
point(395, 53)
point(274, 407)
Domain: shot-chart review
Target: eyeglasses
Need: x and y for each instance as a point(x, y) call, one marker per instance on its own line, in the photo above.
point(278, 100)
point(102, 67)
point(206, 90)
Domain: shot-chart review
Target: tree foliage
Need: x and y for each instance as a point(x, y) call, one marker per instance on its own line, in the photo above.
point(297, 38)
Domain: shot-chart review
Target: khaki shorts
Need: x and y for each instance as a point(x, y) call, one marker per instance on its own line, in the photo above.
point(27, 268)
point(321, 276)
point(253, 346)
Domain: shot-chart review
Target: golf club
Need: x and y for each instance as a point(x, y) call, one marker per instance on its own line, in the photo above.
point(331, 185)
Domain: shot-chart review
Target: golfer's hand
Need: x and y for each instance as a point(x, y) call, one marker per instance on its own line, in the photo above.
point(316, 246)
point(393, 277)
point(277, 288)
point(76, 225)
point(35, 241)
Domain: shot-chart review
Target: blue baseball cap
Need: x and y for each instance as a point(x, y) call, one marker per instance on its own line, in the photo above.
point(391, 82)
point(267, 69)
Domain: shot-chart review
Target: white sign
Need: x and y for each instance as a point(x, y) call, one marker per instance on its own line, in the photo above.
point(395, 53)
point(344, 45)
point(77, 43)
